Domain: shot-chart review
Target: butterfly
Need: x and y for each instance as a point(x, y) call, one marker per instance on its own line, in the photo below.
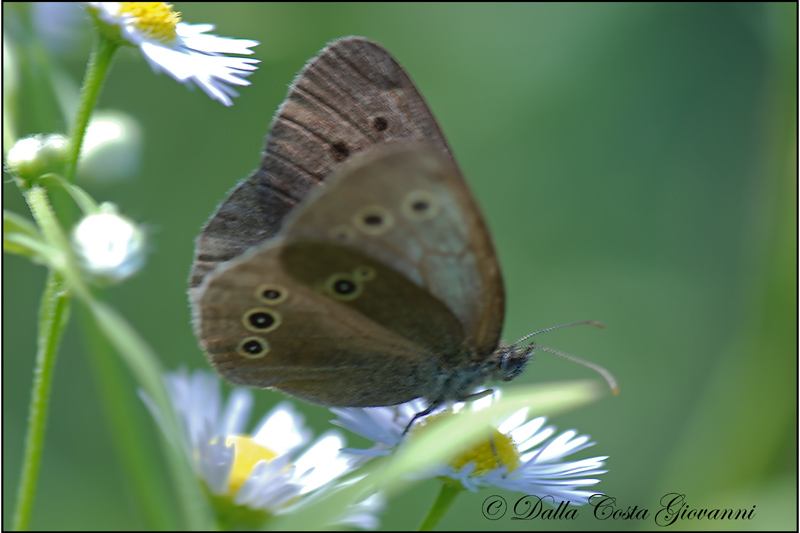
point(354, 267)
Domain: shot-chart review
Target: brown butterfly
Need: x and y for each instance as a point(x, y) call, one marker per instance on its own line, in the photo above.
point(353, 268)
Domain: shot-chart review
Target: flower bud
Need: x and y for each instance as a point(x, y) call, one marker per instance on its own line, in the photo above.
point(110, 247)
point(37, 155)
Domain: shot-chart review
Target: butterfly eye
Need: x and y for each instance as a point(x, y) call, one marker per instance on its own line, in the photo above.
point(262, 320)
point(272, 294)
point(420, 205)
point(253, 347)
point(373, 220)
point(343, 287)
point(364, 273)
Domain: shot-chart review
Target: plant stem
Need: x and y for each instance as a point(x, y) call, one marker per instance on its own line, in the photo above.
point(96, 70)
point(443, 502)
point(53, 316)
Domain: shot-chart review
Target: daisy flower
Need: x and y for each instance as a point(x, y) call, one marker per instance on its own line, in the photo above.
point(184, 51)
point(252, 476)
point(521, 455)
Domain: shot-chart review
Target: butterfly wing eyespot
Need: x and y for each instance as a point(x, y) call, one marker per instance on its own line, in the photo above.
point(272, 294)
point(343, 234)
point(253, 347)
point(364, 273)
point(340, 151)
point(342, 287)
point(373, 220)
point(262, 320)
point(380, 123)
point(420, 205)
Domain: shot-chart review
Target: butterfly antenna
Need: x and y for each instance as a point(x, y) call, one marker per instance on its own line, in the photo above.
point(545, 330)
point(608, 376)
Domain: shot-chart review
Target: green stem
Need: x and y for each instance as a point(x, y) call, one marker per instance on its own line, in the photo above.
point(96, 70)
point(443, 502)
point(53, 317)
point(48, 224)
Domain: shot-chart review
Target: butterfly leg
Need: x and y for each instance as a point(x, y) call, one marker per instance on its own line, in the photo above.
point(426, 412)
point(477, 395)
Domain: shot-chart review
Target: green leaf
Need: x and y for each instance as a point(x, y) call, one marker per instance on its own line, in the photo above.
point(85, 202)
point(21, 237)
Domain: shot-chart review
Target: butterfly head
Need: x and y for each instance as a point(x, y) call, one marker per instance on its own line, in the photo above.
point(510, 361)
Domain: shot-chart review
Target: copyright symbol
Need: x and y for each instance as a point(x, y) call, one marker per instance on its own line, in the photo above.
point(494, 507)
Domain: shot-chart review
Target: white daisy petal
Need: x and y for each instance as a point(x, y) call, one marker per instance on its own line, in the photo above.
point(265, 477)
point(236, 413)
point(525, 431)
point(372, 423)
point(542, 435)
point(281, 429)
point(193, 38)
point(322, 462)
point(514, 421)
point(215, 463)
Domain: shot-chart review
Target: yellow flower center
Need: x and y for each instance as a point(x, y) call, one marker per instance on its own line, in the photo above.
point(497, 450)
point(248, 453)
point(157, 20)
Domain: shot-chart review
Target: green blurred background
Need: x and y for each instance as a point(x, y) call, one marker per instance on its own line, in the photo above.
point(636, 164)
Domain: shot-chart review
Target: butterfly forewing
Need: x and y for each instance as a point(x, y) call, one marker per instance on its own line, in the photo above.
point(351, 96)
